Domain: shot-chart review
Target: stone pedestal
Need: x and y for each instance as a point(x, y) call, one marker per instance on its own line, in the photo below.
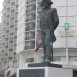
point(44, 72)
point(45, 65)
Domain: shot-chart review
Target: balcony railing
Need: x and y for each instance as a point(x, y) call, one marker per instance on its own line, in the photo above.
point(39, 16)
point(8, 13)
point(30, 37)
point(30, 1)
point(12, 0)
point(10, 54)
point(6, 53)
point(5, 59)
point(6, 44)
point(30, 19)
point(29, 47)
point(13, 7)
point(11, 39)
point(15, 58)
point(16, 1)
point(38, 0)
point(30, 10)
point(8, 6)
point(33, 18)
point(30, 28)
point(38, 26)
point(10, 47)
point(39, 7)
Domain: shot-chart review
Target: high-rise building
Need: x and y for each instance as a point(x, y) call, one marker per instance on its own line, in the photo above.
point(0, 47)
point(65, 48)
point(9, 34)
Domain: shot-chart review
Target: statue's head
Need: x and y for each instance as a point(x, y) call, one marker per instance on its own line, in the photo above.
point(46, 3)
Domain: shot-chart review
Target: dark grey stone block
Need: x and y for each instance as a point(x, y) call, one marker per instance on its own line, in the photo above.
point(45, 65)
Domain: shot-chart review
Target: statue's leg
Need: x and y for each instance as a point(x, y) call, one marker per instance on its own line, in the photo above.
point(49, 48)
point(51, 43)
point(43, 44)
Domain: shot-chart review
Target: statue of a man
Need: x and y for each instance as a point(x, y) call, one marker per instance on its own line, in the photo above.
point(48, 23)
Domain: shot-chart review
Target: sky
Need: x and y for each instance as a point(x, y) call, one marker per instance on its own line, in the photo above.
point(1, 6)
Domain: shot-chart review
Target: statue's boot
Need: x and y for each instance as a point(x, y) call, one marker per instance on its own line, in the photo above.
point(47, 61)
point(44, 51)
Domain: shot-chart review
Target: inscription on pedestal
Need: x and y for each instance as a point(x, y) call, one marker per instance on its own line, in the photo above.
point(32, 73)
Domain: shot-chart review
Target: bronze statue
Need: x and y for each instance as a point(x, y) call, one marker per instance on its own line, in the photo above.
point(48, 23)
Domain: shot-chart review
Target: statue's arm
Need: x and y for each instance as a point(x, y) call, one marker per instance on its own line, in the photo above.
point(55, 18)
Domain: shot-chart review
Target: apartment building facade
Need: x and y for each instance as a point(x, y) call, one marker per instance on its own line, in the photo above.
point(8, 56)
point(65, 48)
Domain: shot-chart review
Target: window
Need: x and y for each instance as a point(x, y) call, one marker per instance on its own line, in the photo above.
point(29, 60)
point(57, 58)
point(10, 58)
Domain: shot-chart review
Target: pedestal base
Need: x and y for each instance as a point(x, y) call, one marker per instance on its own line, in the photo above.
point(45, 65)
point(44, 72)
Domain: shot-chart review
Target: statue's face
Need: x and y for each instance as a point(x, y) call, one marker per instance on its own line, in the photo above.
point(45, 6)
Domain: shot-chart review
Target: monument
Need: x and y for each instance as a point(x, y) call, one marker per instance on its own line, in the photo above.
point(48, 23)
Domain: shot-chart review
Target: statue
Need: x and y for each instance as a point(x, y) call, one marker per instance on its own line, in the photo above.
point(48, 23)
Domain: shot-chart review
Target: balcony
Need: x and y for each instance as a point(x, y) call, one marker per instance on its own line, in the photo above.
point(30, 28)
point(6, 43)
point(11, 31)
point(8, 13)
point(38, 25)
point(6, 53)
point(4, 3)
point(13, 1)
point(6, 39)
point(38, 0)
point(15, 26)
point(4, 12)
point(6, 36)
point(30, 1)
point(0, 60)
point(39, 8)
point(30, 37)
point(8, 6)
point(30, 47)
point(10, 54)
point(10, 47)
point(15, 34)
point(16, 9)
point(30, 19)
point(14, 41)
point(14, 58)
point(7, 30)
point(10, 50)
point(10, 57)
point(39, 16)
point(2, 50)
point(30, 10)
point(13, 8)
point(12, 16)
point(11, 39)
point(11, 25)
point(16, 1)
point(5, 59)
point(16, 17)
